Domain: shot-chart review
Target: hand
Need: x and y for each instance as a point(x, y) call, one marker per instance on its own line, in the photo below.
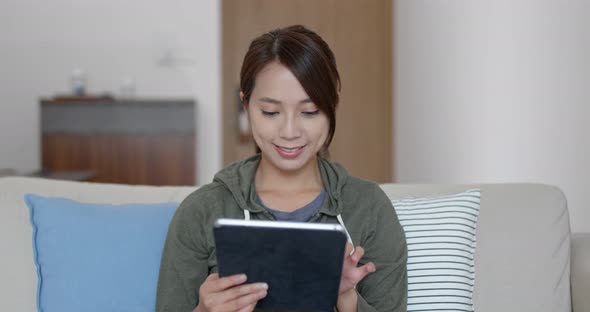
point(351, 274)
point(229, 293)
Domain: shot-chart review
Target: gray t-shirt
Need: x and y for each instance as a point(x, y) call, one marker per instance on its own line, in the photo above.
point(300, 215)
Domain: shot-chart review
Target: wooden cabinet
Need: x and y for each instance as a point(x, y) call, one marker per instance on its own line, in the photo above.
point(148, 142)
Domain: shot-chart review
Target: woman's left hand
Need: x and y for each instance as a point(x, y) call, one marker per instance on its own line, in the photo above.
point(351, 274)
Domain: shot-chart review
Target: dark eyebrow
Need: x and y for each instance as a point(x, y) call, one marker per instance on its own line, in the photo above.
point(269, 100)
point(274, 101)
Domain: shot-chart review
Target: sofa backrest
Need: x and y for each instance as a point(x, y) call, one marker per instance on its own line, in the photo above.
point(522, 259)
point(523, 238)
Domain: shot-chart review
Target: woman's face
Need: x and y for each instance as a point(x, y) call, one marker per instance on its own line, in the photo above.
point(287, 126)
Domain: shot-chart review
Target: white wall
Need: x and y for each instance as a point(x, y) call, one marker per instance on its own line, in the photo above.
point(42, 41)
point(485, 91)
point(494, 91)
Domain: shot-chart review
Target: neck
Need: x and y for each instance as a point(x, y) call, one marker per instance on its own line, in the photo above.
point(271, 178)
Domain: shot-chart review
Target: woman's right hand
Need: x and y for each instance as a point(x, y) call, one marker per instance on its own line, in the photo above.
point(229, 294)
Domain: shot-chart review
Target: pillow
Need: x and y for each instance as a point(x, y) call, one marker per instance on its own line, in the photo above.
point(97, 257)
point(441, 238)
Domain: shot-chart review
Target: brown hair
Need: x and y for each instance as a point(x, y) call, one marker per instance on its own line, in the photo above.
point(310, 60)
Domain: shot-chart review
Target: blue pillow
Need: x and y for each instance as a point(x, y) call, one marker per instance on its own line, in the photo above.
point(97, 257)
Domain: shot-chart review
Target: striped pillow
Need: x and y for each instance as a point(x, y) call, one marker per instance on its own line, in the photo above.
point(440, 232)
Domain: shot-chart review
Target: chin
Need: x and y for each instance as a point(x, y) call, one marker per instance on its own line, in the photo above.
point(289, 164)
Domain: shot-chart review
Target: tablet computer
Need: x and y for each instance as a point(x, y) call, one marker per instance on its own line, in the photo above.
point(300, 262)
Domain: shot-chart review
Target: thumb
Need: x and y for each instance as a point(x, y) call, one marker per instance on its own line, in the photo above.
point(213, 276)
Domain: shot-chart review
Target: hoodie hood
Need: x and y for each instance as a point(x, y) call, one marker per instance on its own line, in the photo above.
point(238, 178)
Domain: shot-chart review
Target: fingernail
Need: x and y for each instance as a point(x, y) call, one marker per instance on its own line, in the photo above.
point(261, 294)
point(240, 278)
point(263, 286)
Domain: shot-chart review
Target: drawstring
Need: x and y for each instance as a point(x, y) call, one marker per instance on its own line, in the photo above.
point(339, 217)
point(246, 215)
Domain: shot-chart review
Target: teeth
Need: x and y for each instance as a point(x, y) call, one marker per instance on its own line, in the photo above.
point(289, 149)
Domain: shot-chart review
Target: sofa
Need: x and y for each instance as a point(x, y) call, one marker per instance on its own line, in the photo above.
point(526, 259)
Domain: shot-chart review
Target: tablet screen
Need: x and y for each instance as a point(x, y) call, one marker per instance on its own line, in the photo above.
point(301, 262)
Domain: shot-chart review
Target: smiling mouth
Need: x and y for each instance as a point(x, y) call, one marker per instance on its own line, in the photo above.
point(289, 152)
point(290, 149)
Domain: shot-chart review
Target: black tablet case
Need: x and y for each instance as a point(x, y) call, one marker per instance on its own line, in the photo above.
point(301, 267)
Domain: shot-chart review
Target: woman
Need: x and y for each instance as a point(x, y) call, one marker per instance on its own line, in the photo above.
point(290, 88)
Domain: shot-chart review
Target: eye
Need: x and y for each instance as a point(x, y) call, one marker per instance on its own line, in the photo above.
point(311, 113)
point(269, 114)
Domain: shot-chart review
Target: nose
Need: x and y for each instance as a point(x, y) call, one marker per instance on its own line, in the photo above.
point(290, 128)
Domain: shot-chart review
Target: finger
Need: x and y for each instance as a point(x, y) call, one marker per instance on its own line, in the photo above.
point(244, 301)
point(357, 254)
point(248, 308)
point(348, 250)
point(362, 271)
point(369, 267)
point(212, 276)
point(223, 283)
point(355, 275)
point(243, 290)
point(208, 282)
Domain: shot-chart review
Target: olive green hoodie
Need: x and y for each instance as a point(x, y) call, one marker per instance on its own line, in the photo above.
point(361, 206)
